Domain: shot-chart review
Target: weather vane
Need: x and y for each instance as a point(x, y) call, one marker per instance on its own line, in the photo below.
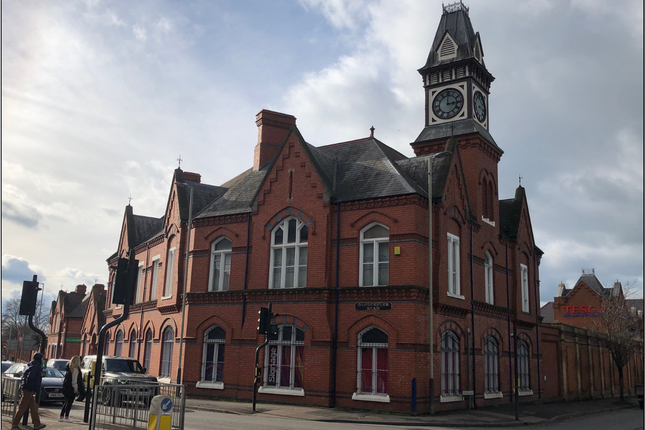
point(129, 199)
point(180, 160)
point(521, 179)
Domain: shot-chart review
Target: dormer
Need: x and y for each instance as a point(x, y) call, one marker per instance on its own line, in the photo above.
point(447, 48)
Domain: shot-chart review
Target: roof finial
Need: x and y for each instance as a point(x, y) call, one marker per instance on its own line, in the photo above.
point(521, 179)
point(180, 160)
point(129, 199)
point(372, 132)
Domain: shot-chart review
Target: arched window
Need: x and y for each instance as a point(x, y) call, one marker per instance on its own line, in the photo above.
point(523, 365)
point(491, 198)
point(449, 364)
point(372, 363)
point(133, 344)
point(454, 283)
point(289, 254)
point(148, 350)
point(106, 347)
point(119, 344)
point(485, 199)
point(283, 361)
point(491, 365)
point(375, 256)
point(220, 272)
point(168, 341)
point(488, 278)
point(213, 356)
point(170, 269)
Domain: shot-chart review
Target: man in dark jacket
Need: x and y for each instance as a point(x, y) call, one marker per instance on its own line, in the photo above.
point(30, 384)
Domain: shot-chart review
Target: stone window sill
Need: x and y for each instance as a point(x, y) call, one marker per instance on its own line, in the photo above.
point(364, 397)
point(210, 385)
point(282, 391)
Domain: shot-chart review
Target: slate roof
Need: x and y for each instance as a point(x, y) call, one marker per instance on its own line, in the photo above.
point(238, 195)
point(79, 311)
point(145, 228)
point(510, 211)
point(71, 301)
point(455, 128)
point(547, 313)
point(458, 25)
point(356, 170)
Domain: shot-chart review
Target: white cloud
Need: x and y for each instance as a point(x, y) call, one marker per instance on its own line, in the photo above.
point(139, 32)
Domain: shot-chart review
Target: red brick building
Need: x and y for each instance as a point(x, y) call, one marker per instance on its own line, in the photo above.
point(336, 238)
point(65, 320)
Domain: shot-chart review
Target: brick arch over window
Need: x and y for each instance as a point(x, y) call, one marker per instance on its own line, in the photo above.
point(293, 321)
point(167, 322)
point(286, 213)
point(372, 217)
point(492, 332)
point(220, 231)
point(367, 321)
point(446, 326)
point(490, 247)
point(526, 338)
point(171, 230)
point(149, 325)
point(132, 326)
point(213, 320)
point(453, 212)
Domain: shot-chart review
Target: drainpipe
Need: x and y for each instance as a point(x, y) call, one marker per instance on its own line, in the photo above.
point(472, 315)
point(246, 264)
point(185, 293)
point(508, 306)
point(537, 322)
point(143, 295)
point(335, 348)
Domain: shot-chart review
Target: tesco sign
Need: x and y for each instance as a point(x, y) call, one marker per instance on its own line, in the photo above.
point(583, 311)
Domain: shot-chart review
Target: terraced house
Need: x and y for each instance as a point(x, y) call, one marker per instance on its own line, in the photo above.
point(337, 238)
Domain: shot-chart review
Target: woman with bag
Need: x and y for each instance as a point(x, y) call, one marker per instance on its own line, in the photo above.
point(72, 386)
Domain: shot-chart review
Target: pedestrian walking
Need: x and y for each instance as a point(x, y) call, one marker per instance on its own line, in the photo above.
point(30, 384)
point(72, 386)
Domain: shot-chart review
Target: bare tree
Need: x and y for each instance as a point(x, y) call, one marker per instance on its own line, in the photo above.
point(622, 327)
point(13, 322)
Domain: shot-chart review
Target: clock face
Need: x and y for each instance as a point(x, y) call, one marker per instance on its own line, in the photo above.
point(480, 106)
point(448, 103)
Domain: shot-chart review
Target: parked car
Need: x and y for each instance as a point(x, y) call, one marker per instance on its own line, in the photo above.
point(51, 389)
point(59, 364)
point(123, 371)
point(6, 365)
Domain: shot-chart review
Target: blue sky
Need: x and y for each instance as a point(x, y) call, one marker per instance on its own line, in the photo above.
point(100, 98)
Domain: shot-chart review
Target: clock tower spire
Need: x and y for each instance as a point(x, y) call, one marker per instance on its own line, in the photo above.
point(456, 81)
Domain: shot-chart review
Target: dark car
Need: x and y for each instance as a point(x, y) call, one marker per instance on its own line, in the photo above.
point(121, 372)
point(58, 364)
point(51, 389)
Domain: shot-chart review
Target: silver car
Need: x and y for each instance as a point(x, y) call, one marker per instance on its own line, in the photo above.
point(51, 389)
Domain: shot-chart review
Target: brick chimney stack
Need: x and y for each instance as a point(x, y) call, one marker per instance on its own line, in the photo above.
point(192, 177)
point(80, 289)
point(272, 129)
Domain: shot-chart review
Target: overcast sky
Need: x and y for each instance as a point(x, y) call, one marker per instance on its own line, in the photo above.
point(100, 98)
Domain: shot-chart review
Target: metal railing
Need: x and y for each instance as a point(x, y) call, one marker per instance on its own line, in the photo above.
point(127, 405)
point(10, 396)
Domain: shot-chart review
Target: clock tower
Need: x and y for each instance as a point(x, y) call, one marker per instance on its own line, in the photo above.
point(457, 87)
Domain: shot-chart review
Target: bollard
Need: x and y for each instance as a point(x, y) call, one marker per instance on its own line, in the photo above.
point(160, 413)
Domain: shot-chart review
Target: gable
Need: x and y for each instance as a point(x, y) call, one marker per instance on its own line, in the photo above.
point(294, 174)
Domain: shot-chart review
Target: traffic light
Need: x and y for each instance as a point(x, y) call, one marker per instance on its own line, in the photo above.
point(29, 298)
point(264, 322)
point(125, 281)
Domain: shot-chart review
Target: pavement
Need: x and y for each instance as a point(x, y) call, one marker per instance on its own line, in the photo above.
point(489, 416)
